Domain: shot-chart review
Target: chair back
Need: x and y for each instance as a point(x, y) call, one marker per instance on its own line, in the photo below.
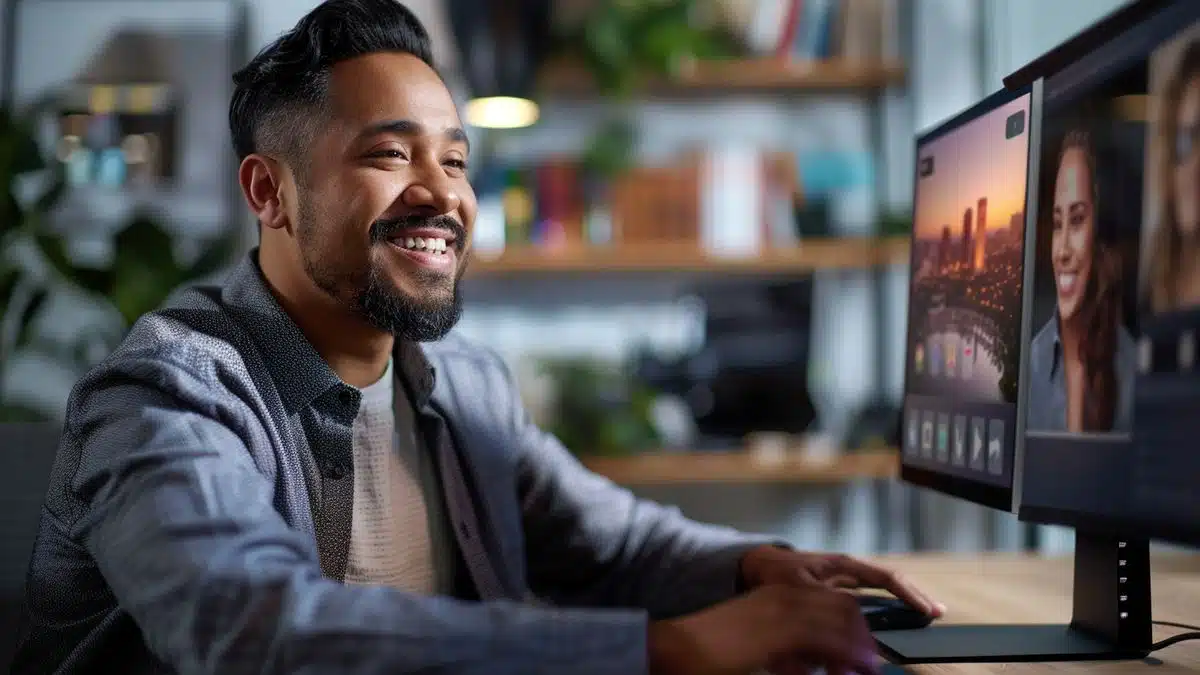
point(27, 454)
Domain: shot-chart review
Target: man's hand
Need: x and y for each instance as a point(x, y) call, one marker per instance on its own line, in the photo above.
point(771, 565)
point(803, 628)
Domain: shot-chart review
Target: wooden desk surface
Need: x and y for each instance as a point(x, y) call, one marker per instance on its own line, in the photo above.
point(1018, 589)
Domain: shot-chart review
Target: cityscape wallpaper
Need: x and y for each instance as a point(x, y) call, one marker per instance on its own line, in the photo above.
point(968, 255)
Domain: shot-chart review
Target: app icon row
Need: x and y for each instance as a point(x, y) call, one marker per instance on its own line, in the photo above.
point(948, 356)
point(975, 443)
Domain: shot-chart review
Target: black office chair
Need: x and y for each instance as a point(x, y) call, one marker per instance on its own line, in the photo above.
point(26, 456)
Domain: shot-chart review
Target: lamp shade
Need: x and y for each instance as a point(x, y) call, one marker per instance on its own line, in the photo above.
point(131, 73)
point(501, 45)
point(130, 57)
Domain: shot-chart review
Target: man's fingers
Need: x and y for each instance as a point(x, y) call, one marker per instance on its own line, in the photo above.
point(879, 577)
point(830, 631)
point(843, 581)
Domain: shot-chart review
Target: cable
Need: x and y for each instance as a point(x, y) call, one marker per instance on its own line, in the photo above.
point(1175, 639)
point(1172, 624)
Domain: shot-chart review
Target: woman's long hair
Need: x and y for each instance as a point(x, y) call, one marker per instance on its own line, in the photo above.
point(1101, 309)
point(1166, 244)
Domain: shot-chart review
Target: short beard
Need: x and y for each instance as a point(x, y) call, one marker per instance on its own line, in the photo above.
point(390, 310)
point(373, 296)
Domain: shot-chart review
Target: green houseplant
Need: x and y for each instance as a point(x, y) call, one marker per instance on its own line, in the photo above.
point(141, 274)
point(625, 43)
point(598, 410)
point(21, 295)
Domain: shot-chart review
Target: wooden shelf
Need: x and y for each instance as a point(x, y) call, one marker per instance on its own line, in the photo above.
point(759, 75)
point(744, 467)
point(811, 255)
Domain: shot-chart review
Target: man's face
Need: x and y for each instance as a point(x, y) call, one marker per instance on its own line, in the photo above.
point(383, 211)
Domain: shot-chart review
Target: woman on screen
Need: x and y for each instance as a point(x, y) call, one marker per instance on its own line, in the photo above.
point(1083, 359)
point(1173, 267)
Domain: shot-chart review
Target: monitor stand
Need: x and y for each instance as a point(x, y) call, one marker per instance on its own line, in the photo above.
point(1110, 619)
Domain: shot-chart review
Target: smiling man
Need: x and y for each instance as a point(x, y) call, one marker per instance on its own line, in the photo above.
point(303, 470)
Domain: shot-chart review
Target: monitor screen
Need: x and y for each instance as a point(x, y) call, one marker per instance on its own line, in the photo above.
point(965, 301)
point(1166, 462)
point(1107, 426)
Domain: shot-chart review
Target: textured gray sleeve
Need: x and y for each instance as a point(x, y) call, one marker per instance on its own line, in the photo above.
point(181, 524)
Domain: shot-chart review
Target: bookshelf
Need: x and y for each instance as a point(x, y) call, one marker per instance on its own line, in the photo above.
point(741, 467)
point(810, 256)
point(740, 76)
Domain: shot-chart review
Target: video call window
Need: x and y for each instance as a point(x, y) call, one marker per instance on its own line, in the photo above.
point(1171, 235)
point(1083, 355)
point(965, 301)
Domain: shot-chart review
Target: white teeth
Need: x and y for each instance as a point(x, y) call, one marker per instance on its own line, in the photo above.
point(431, 244)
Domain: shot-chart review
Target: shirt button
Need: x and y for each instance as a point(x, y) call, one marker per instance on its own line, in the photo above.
point(336, 472)
point(466, 531)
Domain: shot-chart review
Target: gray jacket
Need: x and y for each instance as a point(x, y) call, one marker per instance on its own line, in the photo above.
point(198, 518)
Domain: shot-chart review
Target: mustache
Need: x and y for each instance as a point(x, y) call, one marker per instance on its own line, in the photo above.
point(390, 228)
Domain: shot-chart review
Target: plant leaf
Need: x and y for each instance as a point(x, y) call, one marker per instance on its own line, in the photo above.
point(8, 287)
point(29, 315)
point(15, 413)
point(12, 216)
point(54, 249)
point(145, 271)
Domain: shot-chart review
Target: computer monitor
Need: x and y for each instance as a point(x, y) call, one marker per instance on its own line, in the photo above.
point(1112, 454)
point(966, 314)
point(1102, 384)
point(1144, 58)
point(1117, 460)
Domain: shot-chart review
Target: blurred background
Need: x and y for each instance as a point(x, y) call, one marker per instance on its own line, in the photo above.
point(692, 243)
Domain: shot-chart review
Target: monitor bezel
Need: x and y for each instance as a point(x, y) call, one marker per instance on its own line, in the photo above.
point(980, 492)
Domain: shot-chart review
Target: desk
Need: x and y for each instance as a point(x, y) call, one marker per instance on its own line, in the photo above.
point(1009, 588)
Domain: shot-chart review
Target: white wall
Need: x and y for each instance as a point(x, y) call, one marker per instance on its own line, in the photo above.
point(1021, 30)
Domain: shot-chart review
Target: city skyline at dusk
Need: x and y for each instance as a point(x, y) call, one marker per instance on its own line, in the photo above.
point(972, 162)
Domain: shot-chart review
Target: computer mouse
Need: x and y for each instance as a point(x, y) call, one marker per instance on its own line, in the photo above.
point(887, 613)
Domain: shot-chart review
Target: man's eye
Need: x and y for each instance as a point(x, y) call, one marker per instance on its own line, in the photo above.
point(457, 164)
point(388, 154)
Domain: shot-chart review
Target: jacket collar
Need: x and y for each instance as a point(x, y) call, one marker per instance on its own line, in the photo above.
point(297, 369)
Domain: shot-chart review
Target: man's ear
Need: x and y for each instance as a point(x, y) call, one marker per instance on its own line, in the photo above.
point(263, 182)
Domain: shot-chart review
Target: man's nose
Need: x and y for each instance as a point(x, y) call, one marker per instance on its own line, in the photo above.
point(431, 197)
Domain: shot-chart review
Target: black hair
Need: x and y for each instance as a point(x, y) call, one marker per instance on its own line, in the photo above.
point(279, 95)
